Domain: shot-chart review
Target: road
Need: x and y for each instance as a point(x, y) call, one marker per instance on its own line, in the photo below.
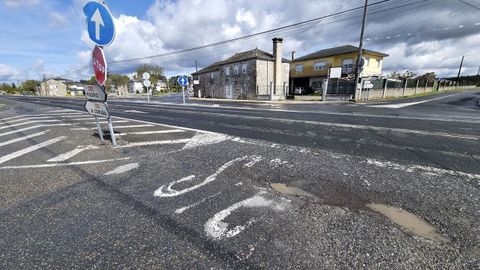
point(228, 185)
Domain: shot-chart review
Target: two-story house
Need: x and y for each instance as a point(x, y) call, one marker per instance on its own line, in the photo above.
point(310, 70)
point(253, 74)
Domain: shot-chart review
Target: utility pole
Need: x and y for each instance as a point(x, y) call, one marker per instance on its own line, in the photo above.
point(460, 70)
point(360, 51)
point(196, 66)
point(478, 77)
point(44, 85)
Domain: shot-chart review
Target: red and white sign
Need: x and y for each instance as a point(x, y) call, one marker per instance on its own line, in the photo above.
point(99, 65)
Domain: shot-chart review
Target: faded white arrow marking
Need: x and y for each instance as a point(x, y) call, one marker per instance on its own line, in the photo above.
point(168, 191)
point(217, 228)
point(98, 20)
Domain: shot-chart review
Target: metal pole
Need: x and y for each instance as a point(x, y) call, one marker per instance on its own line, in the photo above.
point(360, 49)
point(460, 69)
point(183, 94)
point(112, 133)
point(100, 133)
point(478, 77)
point(148, 94)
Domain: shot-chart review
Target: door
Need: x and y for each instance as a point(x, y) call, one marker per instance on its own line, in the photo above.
point(228, 91)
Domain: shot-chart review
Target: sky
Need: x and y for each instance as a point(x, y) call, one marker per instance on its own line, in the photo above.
point(49, 36)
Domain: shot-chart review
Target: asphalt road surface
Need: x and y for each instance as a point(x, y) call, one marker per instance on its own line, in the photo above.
point(225, 185)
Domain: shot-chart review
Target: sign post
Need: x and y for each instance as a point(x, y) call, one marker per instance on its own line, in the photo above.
point(101, 31)
point(183, 81)
point(147, 83)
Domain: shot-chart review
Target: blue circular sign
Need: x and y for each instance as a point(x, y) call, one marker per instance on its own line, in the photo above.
point(101, 28)
point(182, 80)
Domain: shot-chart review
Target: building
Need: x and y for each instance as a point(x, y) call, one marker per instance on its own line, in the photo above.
point(312, 69)
point(54, 87)
point(75, 88)
point(136, 87)
point(253, 74)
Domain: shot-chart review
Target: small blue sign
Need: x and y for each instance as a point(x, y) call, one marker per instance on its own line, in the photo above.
point(100, 23)
point(182, 80)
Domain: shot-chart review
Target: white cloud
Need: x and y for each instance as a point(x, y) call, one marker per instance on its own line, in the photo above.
point(57, 20)
point(8, 73)
point(20, 3)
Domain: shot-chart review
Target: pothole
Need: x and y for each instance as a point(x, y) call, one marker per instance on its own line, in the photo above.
point(284, 189)
point(409, 221)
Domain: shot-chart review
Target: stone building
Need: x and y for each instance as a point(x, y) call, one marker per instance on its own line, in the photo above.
point(253, 74)
point(54, 87)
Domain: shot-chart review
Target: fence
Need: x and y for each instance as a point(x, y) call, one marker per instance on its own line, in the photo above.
point(387, 88)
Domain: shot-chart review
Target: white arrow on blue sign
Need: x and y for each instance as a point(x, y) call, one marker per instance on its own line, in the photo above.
point(182, 80)
point(101, 28)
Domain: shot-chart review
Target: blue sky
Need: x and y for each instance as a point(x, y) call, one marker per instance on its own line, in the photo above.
point(49, 36)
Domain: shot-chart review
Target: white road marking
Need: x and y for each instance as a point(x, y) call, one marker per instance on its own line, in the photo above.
point(201, 139)
point(151, 132)
point(30, 149)
point(74, 152)
point(24, 138)
point(30, 122)
point(33, 127)
point(170, 192)
point(255, 160)
point(60, 111)
point(106, 122)
point(135, 111)
point(48, 165)
point(137, 144)
point(402, 105)
point(217, 228)
point(26, 119)
point(421, 168)
point(123, 168)
point(73, 114)
point(130, 126)
point(81, 128)
point(183, 209)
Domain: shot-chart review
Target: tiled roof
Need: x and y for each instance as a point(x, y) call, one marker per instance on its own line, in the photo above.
point(239, 57)
point(336, 51)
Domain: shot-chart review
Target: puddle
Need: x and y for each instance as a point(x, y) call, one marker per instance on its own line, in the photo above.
point(284, 189)
point(409, 221)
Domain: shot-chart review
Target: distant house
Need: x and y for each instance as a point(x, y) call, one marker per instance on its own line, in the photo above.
point(54, 87)
point(253, 74)
point(75, 88)
point(136, 86)
point(310, 70)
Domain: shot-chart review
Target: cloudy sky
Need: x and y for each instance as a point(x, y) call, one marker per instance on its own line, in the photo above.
point(49, 36)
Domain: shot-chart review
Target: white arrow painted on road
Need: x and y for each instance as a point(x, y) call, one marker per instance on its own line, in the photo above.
point(98, 20)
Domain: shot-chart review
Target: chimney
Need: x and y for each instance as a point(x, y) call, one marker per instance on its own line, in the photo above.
point(277, 68)
point(293, 55)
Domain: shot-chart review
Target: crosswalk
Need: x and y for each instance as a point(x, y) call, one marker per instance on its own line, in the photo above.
point(56, 138)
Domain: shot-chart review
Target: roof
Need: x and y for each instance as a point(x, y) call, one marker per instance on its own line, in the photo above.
point(239, 57)
point(337, 51)
point(60, 79)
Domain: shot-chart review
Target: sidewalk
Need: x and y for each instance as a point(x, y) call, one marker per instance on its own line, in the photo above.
point(245, 101)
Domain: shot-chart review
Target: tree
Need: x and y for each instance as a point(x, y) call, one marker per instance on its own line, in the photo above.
point(427, 77)
point(7, 88)
point(116, 80)
point(29, 86)
point(156, 73)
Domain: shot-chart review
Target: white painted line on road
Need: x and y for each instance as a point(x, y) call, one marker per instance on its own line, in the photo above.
point(421, 168)
point(183, 209)
point(48, 165)
point(151, 132)
point(23, 138)
point(168, 191)
point(74, 152)
point(33, 127)
point(30, 122)
point(106, 122)
point(130, 126)
point(135, 111)
point(26, 119)
point(63, 110)
point(137, 144)
point(217, 228)
point(81, 128)
point(76, 114)
point(402, 105)
point(30, 149)
point(202, 139)
point(123, 168)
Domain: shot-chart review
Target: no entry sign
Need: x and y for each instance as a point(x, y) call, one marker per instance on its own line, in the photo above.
point(99, 65)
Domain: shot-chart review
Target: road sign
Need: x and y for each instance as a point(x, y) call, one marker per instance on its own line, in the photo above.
point(101, 28)
point(182, 80)
point(367, 84)
point(146, 76)
point(99, 65)
point(336, 73)
point(147, 83)
point(97, 109)
point(95, 92)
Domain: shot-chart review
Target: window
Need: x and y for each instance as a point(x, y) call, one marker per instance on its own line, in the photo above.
point(299, 68)
point(379, 63)
point(321, 65)
point(367, 62)
point(347, 65)
point(244, 88)
point(237, 68)
point(244, 69)
point(227, 71)
point(211, 75)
